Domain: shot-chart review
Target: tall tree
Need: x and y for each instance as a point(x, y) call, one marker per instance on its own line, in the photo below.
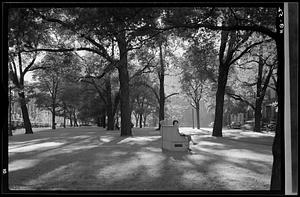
point(24, 32)
point(91, 108)
point(230, 43)
point(143, 101)
point(256, 72)
point(161, 52)
point(266, 20)
point(195, 81)
point(50, 79)
point(128, 27)
point(107, 87)
point(69, 100)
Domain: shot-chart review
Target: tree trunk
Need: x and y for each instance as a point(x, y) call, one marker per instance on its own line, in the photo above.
point(198, 114)
point(53, 116)
point(277, 173)
point(26, 120)
point(145, 119)
point(276, 168)
point(136, 120)
point(64, 125)
point(110, 118)
point(257, 115)
point(115, 106)
point(258, 101)
point(98, 121)
point(117, 121)
point(103, 121)
point(222, 80)
point(161, 108)
point(154, 118)
point(75, 119)
point(109, 105)
point(141, 120)
point(65, 115)
point(124, 88)
point(161, 86)
point(71, 120)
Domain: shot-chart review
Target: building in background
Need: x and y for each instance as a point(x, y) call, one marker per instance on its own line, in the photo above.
point(269, 110)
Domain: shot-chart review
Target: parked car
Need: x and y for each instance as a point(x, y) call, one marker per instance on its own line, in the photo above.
point(234, 125)
point(248, 125)
point(271, 126)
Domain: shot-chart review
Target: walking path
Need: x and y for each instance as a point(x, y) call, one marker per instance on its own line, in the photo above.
point(91, 158)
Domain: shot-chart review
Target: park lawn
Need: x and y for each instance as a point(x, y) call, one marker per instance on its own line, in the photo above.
point(91, 158)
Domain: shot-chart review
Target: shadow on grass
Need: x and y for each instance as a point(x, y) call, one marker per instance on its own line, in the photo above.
point(102, 160)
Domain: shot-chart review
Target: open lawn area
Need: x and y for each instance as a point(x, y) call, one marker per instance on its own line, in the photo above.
point(91, 158)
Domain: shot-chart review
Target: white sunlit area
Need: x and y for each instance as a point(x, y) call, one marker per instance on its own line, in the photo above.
point(147, 99)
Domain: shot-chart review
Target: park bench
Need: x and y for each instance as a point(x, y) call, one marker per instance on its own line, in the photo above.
point(171, 139)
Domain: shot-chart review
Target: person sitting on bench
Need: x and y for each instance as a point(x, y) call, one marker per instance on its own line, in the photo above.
point(175, 122)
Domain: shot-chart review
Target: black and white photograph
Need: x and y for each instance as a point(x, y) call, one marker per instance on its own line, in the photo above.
point(150, 98)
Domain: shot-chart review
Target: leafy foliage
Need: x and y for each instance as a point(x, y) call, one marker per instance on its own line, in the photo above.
point(198, 68)
point(54, 79)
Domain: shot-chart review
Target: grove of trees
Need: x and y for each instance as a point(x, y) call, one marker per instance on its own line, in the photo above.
point(98, 63)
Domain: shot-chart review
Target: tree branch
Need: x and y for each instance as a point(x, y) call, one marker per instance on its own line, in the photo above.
point(273, 88)
point(30, 64)
point(239, 98)
point(254, 27)
point(171, 95)
point(266, 82)
point(64, 50)
point(151, 88)
point(103, 52)
point(97, 89)
point(246, 50)
point(39, 67)
point(247, 62)
point(148, 65)
point(193, 105)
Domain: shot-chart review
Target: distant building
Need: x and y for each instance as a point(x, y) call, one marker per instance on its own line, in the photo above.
point(269, 109)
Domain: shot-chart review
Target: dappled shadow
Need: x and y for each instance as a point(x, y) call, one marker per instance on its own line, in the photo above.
point(96, 159)
point(261, 140)
point(226, 143)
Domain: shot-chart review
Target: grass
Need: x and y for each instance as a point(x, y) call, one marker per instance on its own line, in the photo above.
point(93, 159)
